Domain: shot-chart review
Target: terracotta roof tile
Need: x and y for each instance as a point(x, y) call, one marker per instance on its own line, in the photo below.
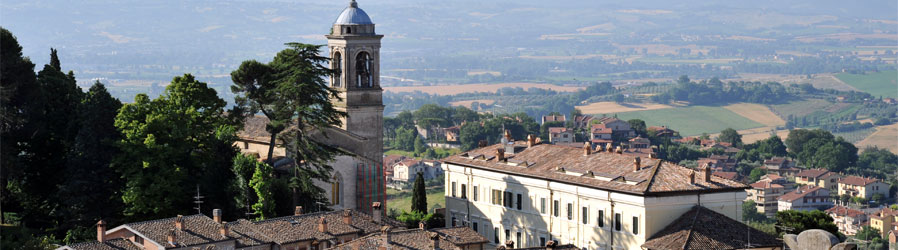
point(571, 165)
point(845, 211)
point(111, 244)
point(447, 239)
point(198, 229)
point(799, 193)
point(857, 181)
point(702, 228)
point(461, 235)
point(812, 173)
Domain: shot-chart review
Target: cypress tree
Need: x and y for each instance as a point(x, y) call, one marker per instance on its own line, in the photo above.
point(419, 195)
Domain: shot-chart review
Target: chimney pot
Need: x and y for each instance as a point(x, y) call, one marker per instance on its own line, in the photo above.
point(531, 141)
point(706, 172)
point(619, 150)
point(637, 164)
point(216, 215)
point(172, 237)
point(347, 217)
point(101, 231)
point(179, 223)
point(508, 135)
point(587, 149)
point(421, 225)
point(500, 154)
point(509, 244)
point(297, 211)
point(322, 225)
point(376, 211)
point(692, 177)
point(551, 245)
point(434, 240)
point(609, 148)
point(385, 233)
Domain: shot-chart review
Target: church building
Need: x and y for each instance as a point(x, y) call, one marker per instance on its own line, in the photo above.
point(358, 178)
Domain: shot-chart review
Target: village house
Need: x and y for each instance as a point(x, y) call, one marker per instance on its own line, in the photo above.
point(885, 220)
point(620, 127)
point(765, 194)
point(600, 134)
point(847, 219)
point(300, 231)
point(532, 193)
point(662, 131)
point(780, 166)
point(561, 135)
point(776, 179)
point(407, 170)
point(733, 176)
point(451, 133)
point(805, 198)
point(719, 162)
point(453, 238)
point(553, 118)
point(582, 121)
point(818, 177)
point(862, 187)
point(640, 142)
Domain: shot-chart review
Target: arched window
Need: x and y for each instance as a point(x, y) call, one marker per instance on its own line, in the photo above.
point(363, 70)
point(338, 69)
point(335, 188)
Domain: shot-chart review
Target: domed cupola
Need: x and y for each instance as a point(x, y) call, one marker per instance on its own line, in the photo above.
point(353, 21)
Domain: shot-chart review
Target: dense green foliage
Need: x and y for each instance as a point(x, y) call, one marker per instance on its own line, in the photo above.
point(819, 149)
point(731, 136)
point(798, 221)
point(419, 195)
point(750, 212)
point(265, 205)
point(714, 91)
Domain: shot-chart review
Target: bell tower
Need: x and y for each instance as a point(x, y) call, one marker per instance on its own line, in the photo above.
point(355, 51)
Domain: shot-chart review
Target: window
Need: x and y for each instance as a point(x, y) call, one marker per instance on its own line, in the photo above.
point(507, 235)
point(635, 224)
point(617, 221)
point(364, 78)
point(474, 226)
point(245, 145)
point(519, 201)
point(497, 197)
point(453, 189)
point(542, 205)
point(585, 215)
point(338, 64)
point(496, 235)
point(138, 240)
point(601, 218)
point(464, 191)
point(518, 240)
point(542, 240)
point(570, 211)
point(453, 220)
point(475, 193)
point(555, 208)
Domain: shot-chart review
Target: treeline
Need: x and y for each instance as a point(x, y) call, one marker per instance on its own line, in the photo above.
point(71, 158)
point(714, 91)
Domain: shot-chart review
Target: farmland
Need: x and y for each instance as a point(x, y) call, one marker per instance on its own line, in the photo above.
point(479, 87)
point(884, 137)
point(756, 112)
point(613, 107)
point(884, 83)
point(693, 120)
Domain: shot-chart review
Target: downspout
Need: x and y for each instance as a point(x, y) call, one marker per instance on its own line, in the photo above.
point(613, 221)
point(469, 172)
point(551, 208)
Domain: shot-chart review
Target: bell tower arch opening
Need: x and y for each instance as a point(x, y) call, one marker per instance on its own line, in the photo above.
point(363, 70)
point(337, 66)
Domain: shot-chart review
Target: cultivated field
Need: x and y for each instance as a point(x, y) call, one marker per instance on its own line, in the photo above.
point(884, 83)
point(468, 103)
point(753, 135)
point(693, 120)
point(479, 87)
point(756, 112)
point(884, 137)
point(613, 107)
point(800, 108)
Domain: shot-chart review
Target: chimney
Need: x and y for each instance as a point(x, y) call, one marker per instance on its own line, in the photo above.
point(216, 215)
point(376, 211)
point(692, 177)
point(500, 154)
point(705, 171)
point(481, 143)
point(347, 216)
point(179, 223)
point(551, 245)
point(101, 231)
point(297, 211)
point(531, 141)
point(322, 225)
point(587, 149)
point(509, 244)
point(637, 164)
point(223, 230)
point(434, 240)
point(618, 150)
point(172, 238)
point(508, 135)
point(609, 148)
point(421, 225)
point(385, 233)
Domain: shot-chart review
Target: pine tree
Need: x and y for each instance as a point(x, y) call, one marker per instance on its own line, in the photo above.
point(419, 195)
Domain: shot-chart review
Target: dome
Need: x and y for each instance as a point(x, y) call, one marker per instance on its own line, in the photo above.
point(353, 15)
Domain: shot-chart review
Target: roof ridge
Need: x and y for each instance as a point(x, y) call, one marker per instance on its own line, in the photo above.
point(162, 219)
point(691, 227)
point(652, 176)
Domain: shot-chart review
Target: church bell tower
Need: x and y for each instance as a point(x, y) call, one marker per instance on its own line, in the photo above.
point(355, 52)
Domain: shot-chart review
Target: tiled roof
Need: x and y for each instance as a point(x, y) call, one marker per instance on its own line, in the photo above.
point(409, 162)
point(726, 175)
point(557, 130)
point(305, 227)
point(390, 159)
point(111, 244)
point(845, 211)
point(601, 170)
point(857, 181)
point(765, 185)
point(885, 212)
point(553, 118)
point(246, 234)
point(772, 177)
point(601, 129)
point(417, 239)
point(775, 161)
point(799, 193)
point(461, 235)
point(198, 229)
point(702, 228)
point(812, 173)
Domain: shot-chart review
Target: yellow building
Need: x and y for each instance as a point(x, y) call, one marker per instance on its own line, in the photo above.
point(885, 220)
point(862, 187)
point(531, 193)
point(818, 177)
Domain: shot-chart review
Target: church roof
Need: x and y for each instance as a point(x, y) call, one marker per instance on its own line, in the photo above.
point(353, 15)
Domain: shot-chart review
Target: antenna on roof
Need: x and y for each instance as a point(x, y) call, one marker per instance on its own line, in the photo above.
point(198, 200)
